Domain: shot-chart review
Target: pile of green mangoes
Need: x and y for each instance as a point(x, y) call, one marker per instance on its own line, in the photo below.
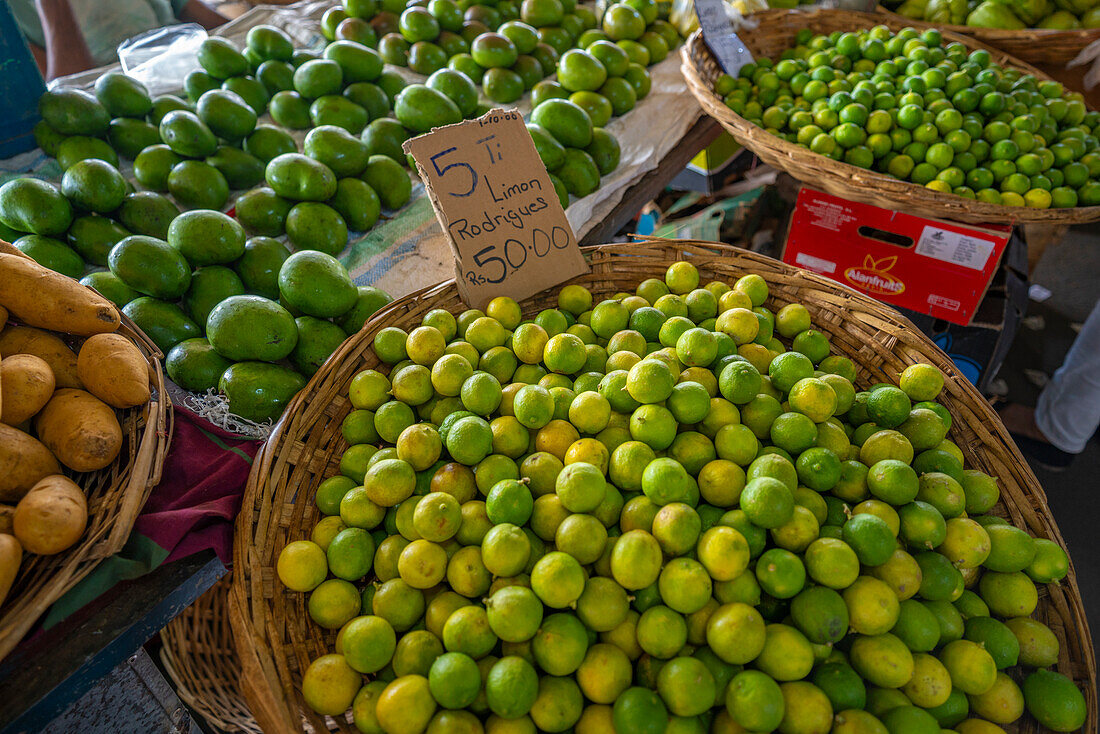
point(604, 78)
point(908, 105)
point(1015, 15)
point(667, 512)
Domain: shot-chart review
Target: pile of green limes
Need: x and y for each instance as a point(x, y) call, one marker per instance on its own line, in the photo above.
point(910, 106)
point(668, 512)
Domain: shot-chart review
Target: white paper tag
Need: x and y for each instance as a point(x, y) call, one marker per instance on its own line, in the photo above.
point(718, 33)
point(953, 247)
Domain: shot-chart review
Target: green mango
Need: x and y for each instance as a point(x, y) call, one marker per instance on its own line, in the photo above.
point(311, 225)
point(198, 83)
point(122, 95)
point(368, 301)
point(267, 142)
point(318, 77)
point(240, 169)
point(221, 59)
point(261, 211)
point(290, 109)
point(317, 340)
point(51, 253)
point(46, 138)
point(72, 111)
point(260, 264)
point(148, 213)
point(579, 173)
point(93, 237)
point(316, 284)
point(129, 136)
point(110, 287)
point(276, 76)
point(185, 133)
point(226, 114)
point(357, 203)
point(150, 266)
point(334, 109)
point(565, 120)
point(195, 366)
point(605, 151)
point(251, 90)
point(206, 237)
point(94, 185)
point(302, 55)
point(384, 136)
point(198, 185)
point(270, 42)
point(36, 206)
point(258, 391)
point(152, 166)
point(300, 178)
point(389, 180)
point(79, 147)
point(391, 83)
point(165, 103)
point(550, 150)
point(338, 149)
point(357, 62)
point(165, 323)
point(458, 88)
point(210, 286)
point(421, 108)
point(370, 97)
point(251, 328)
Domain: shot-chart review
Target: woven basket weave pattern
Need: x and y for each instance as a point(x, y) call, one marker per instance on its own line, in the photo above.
point(115, 495)
point(271, 627)
point(773, 33)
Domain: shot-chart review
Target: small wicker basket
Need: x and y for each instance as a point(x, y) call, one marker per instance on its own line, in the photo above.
point(773, 33)
point(274, 635)
point(1034, 45)
point(199, 656)
point(115, 495)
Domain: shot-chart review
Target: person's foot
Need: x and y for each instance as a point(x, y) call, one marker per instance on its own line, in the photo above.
point(1020, 422)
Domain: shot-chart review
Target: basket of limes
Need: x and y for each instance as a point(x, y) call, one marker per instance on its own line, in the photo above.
point(644, 505)
point(1054, 39)
point(929, 122)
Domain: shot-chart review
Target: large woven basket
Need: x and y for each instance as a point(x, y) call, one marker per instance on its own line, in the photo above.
point(199, 655)
point(1034, 45)
point(773, 33)
point(115, 495)
point(274, 635)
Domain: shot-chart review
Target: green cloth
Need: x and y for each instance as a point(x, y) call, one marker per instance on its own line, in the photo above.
point(105, 23)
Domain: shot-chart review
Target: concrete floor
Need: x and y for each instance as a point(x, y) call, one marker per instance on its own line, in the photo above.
point(1070, 270)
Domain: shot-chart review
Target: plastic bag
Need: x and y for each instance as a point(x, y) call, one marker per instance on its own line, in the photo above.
point(162, 57)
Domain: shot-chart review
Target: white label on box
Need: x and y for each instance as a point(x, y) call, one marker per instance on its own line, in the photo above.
point(954, 247)
point(819, 264)
point(943, 302)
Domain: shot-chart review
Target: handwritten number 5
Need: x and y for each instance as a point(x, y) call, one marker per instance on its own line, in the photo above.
point(441, 172)
point(483, 261)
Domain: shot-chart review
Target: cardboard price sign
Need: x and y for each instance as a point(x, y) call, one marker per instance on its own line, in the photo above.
point(497, 207)
point(718, 33)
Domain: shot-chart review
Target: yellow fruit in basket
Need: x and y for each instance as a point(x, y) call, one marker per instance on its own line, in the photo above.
point(329, 685)
point(302, 565)
point(405, 706)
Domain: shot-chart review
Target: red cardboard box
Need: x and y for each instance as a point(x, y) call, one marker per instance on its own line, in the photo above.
point(930, 266)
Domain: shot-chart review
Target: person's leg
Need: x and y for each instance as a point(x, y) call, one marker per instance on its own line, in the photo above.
point(1068, 411)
